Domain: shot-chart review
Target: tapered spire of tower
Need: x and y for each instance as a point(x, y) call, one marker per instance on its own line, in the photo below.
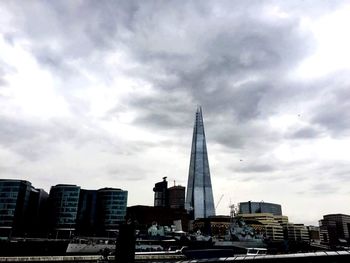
point(199, 197)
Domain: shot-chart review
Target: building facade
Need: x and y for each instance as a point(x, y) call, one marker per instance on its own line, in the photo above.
point(296, 232)
point(177, 196)
point(266, 224)
point(64, 202)
point(161, 193)
point(199, 198)
point(87, 212)
point(259, 207)
point(335, 229)
point(21, 208)
point(111, 207)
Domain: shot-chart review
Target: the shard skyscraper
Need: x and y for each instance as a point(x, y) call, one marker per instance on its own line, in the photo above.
point(199, 198)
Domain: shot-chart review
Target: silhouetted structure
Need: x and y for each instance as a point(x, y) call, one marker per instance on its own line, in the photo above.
point(145, 216)
point(125, 247)
point(161, 193)
point(177, 196)
point(21, 208)
point(335, 229)
point(87, 212)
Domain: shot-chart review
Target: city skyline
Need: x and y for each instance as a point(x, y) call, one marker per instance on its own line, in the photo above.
point(102, 94)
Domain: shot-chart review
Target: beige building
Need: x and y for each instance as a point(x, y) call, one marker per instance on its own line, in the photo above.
point(271, 228)
point(277, 227)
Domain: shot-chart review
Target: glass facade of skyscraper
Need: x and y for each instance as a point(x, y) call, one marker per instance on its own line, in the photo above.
point(21, 208)
point(259, 207)
point(112, 204)
point(199, 198)
point(64, 200)
point(68, 210)
point(14, 200)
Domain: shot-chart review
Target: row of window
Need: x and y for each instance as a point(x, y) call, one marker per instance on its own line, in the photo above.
point(11, 206)
point(8, 200)
point(7, 212)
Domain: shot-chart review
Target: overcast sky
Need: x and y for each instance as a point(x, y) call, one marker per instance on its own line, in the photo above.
point(104, 93)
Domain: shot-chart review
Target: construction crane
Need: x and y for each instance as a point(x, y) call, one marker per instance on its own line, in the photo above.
point(217, 204)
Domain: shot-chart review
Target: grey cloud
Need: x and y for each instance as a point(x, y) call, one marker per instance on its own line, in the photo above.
point(305, 133)
point(166, 110)
point(323, 189)
point(333, 111)
point(256, 168)
point(131, 174)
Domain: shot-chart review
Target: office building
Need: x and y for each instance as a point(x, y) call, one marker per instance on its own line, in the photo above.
point(21, 206)
point(161, 193)
point(314, 233)
point(259, 207)
point(37, 217)
point(265, 223)
point(335, 229)
point(87, 212)
point(111, 207)
point(296, 232)
point(199, 198)
point(64, 201)
point(176, 196)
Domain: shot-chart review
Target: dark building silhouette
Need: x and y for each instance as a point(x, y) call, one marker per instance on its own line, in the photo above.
point(87, 212)
point(161, 193)
point(335, 229)
point(199, 197)
point(21, 208)
point(260, 207)
point(67, 211)
point(38, 213)
point(176, 196)
point(145, 216)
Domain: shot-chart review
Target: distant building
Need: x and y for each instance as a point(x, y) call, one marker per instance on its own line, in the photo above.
point(21, 207)
point(266, 223)
point(296, 232)
point(259, 207)
point(64, 201)
point(176, 196)
point(214, 225)
point(161, 193)
point(335, 229)
point(314, 233)
point(111, 207)
point(199, 198)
